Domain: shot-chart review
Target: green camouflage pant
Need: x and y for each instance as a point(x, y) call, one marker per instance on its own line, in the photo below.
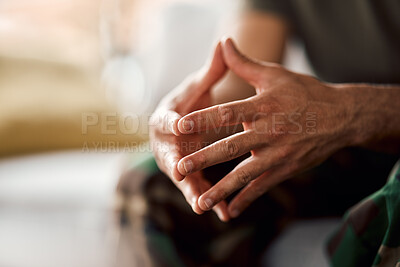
point(370, 232)
point(172, 235)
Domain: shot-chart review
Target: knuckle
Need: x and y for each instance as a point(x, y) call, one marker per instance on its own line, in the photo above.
point(201, 161)
point(264, 107)
point(283, 154)
point(225, 114)
point(267, 104)
point(252, 104)
point(231, 149)
point(221, 194)
point(243, 177)
point(280, 130)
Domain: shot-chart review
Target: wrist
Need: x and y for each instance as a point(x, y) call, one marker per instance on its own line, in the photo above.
point(363, 122)
point(344, 110)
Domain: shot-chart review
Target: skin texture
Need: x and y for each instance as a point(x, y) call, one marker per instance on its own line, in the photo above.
point(292, 123)
point(278, 130)
point(211, 85)
point(260, 35)
point(169, 147)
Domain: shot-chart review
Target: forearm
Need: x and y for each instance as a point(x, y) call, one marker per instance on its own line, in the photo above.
point(375, 115)
point(262, 36)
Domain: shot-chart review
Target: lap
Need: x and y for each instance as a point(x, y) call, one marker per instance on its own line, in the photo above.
point(174, 233)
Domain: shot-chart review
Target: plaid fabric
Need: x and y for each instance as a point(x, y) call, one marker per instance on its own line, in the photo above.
point(370, 233)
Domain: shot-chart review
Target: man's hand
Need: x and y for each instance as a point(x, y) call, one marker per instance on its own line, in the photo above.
point(292, 124)
point(170, 146)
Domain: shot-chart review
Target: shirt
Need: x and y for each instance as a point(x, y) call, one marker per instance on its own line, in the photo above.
point(345, 40)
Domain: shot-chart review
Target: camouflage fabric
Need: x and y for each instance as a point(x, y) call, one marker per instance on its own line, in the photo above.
point(168, 233)
point(370, 233)
point(175, 236)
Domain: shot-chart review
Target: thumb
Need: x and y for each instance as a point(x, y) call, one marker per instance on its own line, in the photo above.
point(244, 67)
point(214, 70)
point(204, 79)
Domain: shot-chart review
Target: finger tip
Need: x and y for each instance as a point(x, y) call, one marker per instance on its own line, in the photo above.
point(181, 168)
point(234, 212)
point(200, 203)
point(225, 39)
point(196, 209)
point(230, 50)
point(224, 218)
point(177, 175)
point(218, 45)
point(185, 125)
point(179, 178)
point(198, 212)
point(205, 203)
point(185, 167)
point(219, 214)
point(176, 132)
point(222, 212)
point(174, 127)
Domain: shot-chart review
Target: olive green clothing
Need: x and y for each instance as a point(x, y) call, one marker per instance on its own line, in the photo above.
point(370, 232)
point(346, 41)
point(173, 235)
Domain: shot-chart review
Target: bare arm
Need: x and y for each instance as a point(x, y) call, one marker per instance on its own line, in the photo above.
point(292, 124)
point(261, 36)
point(375, 114)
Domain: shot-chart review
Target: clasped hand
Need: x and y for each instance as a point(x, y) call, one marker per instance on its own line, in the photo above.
point(293, 123)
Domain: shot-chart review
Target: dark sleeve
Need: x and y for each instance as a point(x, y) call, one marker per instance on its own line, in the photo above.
point(279, 7)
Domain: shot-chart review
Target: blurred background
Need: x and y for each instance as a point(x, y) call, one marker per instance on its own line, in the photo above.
point(70, 72)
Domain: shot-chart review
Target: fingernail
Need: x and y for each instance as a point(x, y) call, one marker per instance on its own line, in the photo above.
point(188, 166)
point(208, 202)
point(188, 125)
point(235, 213)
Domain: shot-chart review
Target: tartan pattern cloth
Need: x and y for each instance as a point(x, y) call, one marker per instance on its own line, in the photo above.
point(370, 233)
